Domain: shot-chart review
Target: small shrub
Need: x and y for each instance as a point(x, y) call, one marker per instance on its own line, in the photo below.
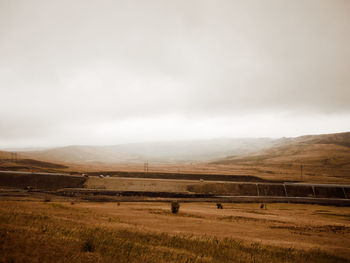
point(263, 206)
point(219, 206)
point(47, 199)
point(88, 245)
point(118, 203)
point(175, 206)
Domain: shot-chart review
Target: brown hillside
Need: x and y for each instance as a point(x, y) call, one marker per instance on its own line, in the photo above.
point(25, 163)
point(330, 149)
point(314, 158)
point(5, 155)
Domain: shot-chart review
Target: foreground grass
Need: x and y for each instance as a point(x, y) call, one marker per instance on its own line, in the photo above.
point(53, 232)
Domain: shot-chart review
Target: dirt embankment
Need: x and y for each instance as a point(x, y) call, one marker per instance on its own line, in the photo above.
point(40, 180)
point(266, 189)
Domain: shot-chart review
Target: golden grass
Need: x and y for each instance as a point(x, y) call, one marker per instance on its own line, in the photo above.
point(90, 232)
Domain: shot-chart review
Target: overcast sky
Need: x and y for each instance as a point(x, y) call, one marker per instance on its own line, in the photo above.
point(111, 72)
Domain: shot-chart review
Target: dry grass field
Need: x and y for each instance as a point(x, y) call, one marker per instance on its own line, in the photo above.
point(56, 230)
point(276, 169)
point(217, 188)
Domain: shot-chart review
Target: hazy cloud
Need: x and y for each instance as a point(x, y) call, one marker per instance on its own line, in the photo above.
point(119, 71)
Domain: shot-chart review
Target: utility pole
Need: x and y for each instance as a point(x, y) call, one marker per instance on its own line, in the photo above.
point(145, 167)
point(301, 172)
point(14, 157)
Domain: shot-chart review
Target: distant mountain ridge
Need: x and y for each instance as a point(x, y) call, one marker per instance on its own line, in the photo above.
point(162, 152)
point(321, 149)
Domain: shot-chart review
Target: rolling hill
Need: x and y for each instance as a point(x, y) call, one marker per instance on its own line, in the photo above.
point(158, 152)
point(19, 162)
point(312, 158)
point(329, 149)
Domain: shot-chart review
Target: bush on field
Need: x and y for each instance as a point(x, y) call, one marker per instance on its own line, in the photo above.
point(88, 244)
point(175, 206)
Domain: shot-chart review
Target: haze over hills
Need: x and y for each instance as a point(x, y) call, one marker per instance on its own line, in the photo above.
point(162, 152)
